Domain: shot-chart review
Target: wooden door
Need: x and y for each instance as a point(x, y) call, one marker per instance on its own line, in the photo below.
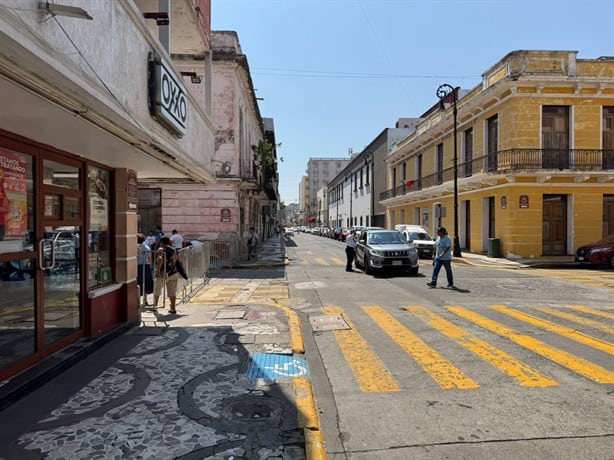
point(554, 225)
point(555, 137)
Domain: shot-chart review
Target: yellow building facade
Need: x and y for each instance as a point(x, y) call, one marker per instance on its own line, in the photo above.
point(535, 158)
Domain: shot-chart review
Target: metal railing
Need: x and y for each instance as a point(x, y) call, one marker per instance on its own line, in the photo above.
point(513, 160)
point(197, 260)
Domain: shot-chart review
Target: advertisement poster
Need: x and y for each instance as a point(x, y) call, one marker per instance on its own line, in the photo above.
point(13, 195)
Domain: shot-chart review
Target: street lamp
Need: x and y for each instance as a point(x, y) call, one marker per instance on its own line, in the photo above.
point(443, 91)
point(370, 179)
point(336, 194)
point(348, 175)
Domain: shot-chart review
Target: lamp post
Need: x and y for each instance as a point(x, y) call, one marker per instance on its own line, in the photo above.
point(347, 175)
point(337, 223)
point(443, 91)
point(370, 179)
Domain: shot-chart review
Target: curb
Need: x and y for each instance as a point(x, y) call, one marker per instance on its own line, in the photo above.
point(308, 419)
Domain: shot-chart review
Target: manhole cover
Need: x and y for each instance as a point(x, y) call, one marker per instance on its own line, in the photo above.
point(230, 314)
point(328, 323)
point(273, 366)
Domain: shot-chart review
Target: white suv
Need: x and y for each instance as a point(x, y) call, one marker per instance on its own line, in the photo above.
point(420, 237)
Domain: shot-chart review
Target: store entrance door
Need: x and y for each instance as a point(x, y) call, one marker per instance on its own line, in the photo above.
point(41, 221)
point(59, 253)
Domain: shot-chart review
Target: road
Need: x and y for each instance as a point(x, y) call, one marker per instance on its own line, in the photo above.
point(510, 364)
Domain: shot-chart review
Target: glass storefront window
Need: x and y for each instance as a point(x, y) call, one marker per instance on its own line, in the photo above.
point(16, 202)
point(60, 175)
point(17, 276)
point(99, 237)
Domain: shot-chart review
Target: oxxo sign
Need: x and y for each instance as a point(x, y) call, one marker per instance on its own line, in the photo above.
point(166, 94)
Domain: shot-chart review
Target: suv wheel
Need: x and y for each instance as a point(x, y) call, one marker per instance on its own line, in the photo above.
point(367, 266)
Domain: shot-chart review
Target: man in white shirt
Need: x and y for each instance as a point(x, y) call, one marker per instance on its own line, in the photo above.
point(350, 250)
point(176, 240)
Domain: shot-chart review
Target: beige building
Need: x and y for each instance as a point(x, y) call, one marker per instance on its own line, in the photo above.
point(535, 149)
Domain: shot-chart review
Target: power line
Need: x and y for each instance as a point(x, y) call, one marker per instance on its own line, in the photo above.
point(334, 74)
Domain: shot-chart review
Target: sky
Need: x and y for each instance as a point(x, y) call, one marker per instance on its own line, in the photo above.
point(333, 74)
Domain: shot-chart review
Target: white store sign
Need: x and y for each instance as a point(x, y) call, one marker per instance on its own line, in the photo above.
point(167, 96)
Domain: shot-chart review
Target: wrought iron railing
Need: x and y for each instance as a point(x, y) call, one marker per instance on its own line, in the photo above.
point(513, 160)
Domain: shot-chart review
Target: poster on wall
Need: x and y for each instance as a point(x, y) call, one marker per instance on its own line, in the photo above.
point(98, 198)
point(13, 195)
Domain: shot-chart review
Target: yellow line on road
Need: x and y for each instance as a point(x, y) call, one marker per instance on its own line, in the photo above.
point(320, 261)
point(440, 369)
point(369, 371)
point(561, 330)
point(592, 311)
point(337, 261)
point(579, 365)
point(575, 318)
point(524, 375)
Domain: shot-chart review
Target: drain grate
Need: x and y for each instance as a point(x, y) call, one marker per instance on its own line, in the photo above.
point(273, 366)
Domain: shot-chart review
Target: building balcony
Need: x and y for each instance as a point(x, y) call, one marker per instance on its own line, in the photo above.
point(513, 161)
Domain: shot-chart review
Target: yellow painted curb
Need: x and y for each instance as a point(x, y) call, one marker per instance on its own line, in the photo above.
point(296, 333)
point(308, 419)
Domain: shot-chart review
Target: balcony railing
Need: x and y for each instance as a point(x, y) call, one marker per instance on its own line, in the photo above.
point(513, 160)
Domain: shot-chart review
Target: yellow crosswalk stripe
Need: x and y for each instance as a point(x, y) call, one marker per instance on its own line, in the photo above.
point(440, 369)
point(592, 311)
point(523, 374)
point(561, 330)
point(338, 261)
point(575, 318)
point(320, 261)
point(575, 363)
point(368, 370)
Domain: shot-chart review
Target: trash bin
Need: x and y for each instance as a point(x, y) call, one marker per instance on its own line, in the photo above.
point(494, 247)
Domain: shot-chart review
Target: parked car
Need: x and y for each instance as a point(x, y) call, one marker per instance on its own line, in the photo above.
point(599, 253)
point(381, 249)
point(418, 235)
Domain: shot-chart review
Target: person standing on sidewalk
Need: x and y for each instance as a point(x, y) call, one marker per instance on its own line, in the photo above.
point(442, 258)
point(166, 273)
point(350, 250)
point(176, 240)
point(252, 243)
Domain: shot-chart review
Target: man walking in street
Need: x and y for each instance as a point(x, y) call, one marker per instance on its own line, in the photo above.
point(442, 258)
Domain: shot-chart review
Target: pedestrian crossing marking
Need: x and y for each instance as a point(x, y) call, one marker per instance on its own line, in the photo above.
point(575, 318)
point(575, 363)
point(439, 368)
point(592, 311)
point(369, 371)
point(337, 261)
point(523, 374)
point(321, 261)
point(561, 330)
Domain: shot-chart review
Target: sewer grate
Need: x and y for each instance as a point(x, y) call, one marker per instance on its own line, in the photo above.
point(272, 366)
point(328, 323)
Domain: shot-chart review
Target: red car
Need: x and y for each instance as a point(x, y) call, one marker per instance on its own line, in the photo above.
point(599, 253)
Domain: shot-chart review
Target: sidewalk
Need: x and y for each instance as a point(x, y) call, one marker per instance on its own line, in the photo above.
point(482, 260)
point(218, 380)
